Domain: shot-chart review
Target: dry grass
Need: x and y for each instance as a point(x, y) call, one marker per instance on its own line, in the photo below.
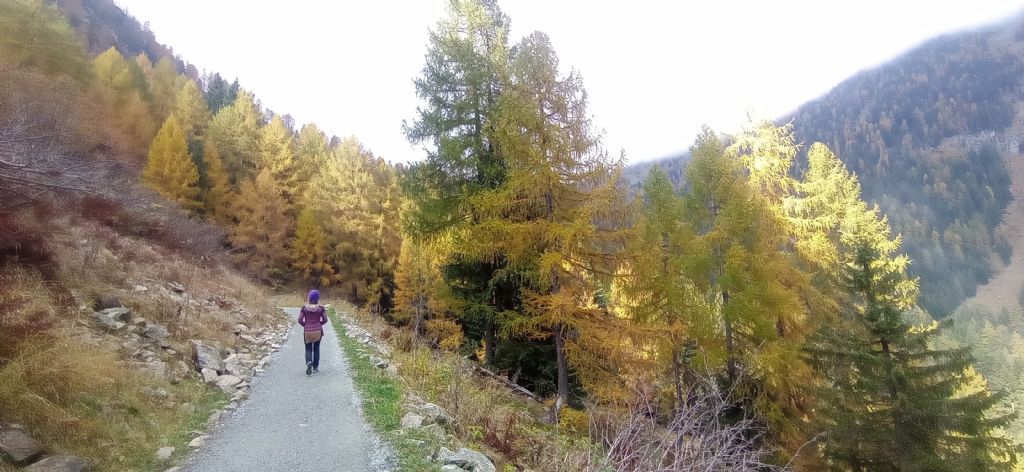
point(79, 397)
point(71, 387)
point(96, 261)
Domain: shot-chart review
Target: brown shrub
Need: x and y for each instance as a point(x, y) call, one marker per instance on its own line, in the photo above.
point(25, 240)
point(26, 309)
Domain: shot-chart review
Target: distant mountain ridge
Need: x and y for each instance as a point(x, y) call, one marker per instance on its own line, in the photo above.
point(926, 133)
point(101, 25)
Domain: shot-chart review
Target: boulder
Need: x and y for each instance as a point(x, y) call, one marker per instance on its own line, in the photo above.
point(467, 459)
point(227, 383)
point(236, 365)
point(60, 464)
point(378, 362)
point(412, 420)
point(118, 313)
point(18, 447)
point(433, 430)
point(156, 332)
point(158, 369)
point(431, 413)
point(452, 468)
point(164, 453)
point(241, 329)
point(213, 419)
point(176, 287)
point(198, 442)
point(106, 322)
point(240, 395)
point(157, 393)
point(206, 356)
point(209, 376)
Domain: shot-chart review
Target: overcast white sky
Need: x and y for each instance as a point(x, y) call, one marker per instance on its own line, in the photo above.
point(655, 70)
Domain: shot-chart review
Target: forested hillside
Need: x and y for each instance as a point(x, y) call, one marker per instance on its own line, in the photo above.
point(888, 125)
point(928, 134)
point(762, 316)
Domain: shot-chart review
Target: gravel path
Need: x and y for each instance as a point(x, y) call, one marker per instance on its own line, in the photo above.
point(292, 422)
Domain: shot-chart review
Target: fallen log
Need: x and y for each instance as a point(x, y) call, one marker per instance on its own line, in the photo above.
point(516, 388)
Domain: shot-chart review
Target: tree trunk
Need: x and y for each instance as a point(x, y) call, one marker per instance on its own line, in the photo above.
point(563, 372)
point(417, 327)
point(491, 338)
point(677, 374)
point(729, 347)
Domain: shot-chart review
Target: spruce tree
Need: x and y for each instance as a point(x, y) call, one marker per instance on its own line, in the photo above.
point(891, 400)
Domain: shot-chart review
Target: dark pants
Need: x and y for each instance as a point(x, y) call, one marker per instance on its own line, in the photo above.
point(313, 354)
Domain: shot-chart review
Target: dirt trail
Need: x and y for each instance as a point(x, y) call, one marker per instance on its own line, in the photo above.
point(1005, 286)
point(295, 422)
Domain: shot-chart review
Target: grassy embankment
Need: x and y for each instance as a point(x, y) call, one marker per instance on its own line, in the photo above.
point(488, 417)
point(82, 391)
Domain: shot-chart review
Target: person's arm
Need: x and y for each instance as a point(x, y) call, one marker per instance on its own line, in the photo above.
point(302, 316)
point(323, 315)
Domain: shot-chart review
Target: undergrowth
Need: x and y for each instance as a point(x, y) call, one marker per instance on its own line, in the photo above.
point(488, 417)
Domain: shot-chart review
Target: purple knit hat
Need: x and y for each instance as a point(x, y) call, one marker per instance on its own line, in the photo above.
point(314, 296)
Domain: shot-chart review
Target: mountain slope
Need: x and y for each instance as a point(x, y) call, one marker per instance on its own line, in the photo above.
point(929, 134)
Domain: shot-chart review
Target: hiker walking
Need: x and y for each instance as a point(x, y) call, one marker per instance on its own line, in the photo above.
point(313, 317)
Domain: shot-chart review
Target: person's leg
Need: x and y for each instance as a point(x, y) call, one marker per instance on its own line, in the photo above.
point(316, 355)
point(309, 358)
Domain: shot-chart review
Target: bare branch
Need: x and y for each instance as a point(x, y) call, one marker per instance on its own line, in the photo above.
point(697, 438)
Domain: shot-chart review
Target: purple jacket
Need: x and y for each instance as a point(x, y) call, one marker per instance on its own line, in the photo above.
point(312, 317)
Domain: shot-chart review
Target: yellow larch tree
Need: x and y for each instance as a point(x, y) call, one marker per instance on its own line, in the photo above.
point(277, 155)
point(557, 218)
point(170, 170)
point(310, 254)
point(262, 233)
point(219, 192)
point(191, 111)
